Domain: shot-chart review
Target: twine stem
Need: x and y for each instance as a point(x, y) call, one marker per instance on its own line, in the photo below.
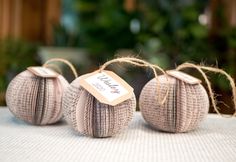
point(140, 63)
point(63, 61)
point(53, 67)
point(216, 70)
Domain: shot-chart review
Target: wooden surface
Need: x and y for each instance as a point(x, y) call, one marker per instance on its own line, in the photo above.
point(31, 20)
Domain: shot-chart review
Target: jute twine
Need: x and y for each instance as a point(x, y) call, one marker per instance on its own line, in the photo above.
point(141, 63)
point(50, 61)
point(200, 68)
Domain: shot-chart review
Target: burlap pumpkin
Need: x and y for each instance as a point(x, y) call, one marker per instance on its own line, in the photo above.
point(184, 109)
point(34, 99)
point(90, 117)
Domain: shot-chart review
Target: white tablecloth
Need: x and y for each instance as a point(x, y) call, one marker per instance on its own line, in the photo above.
point(214, 140)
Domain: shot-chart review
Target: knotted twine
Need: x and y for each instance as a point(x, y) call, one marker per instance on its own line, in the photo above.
point(141, 63)
point(200, 68)
point(186, 106)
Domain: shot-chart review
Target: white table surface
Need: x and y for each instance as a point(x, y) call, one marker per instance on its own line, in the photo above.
point(214, 140)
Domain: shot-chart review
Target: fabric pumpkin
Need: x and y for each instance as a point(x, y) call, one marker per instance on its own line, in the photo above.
point(90, 117)
point(34, 99)
point(186, 105)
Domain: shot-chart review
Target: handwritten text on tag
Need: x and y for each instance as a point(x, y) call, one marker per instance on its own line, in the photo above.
point(107, 87)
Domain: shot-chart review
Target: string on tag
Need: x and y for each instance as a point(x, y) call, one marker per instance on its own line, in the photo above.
point(200, 68)
point(47, 64)
point(141, 63)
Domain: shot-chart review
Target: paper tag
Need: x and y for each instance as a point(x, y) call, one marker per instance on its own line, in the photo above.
point(43, 72)
point(183, 76)
point(107, 87)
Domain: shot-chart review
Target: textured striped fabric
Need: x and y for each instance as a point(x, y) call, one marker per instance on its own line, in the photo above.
point(34, 99)
point(214, 141)
point(90, 117)
point(186, 105)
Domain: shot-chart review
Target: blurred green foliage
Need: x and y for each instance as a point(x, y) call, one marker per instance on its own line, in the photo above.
point(172, 29)
point(104, 27)
point(15, 56)
point(169, 30)
point(64, 38)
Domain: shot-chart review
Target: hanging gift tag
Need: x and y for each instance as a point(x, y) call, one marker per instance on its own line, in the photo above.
point(183, 76)
point(43, 72)
point(107, 87)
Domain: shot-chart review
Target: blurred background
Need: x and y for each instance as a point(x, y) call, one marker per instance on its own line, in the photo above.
point(90, 32)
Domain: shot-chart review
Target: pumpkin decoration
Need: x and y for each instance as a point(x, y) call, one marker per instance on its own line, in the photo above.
point(185, 107)
point(186, 103)
point(90, 117)
point(37, 99)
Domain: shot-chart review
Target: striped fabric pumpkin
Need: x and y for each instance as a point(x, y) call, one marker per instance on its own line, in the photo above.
point(90, 117)
point(186, 105)
point(34, 99)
